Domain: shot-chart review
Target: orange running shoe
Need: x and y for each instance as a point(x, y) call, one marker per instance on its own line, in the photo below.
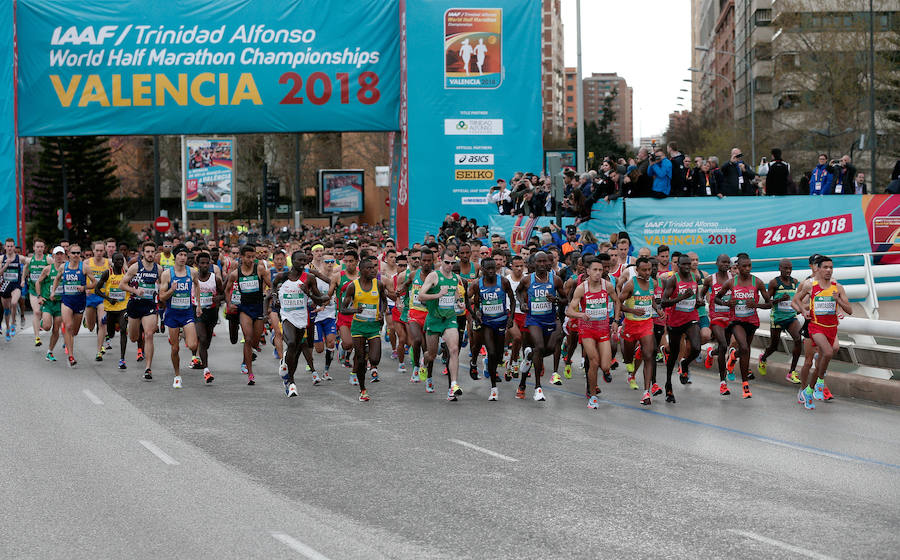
point(746, 393)
point(520, 393)
point(826, 394)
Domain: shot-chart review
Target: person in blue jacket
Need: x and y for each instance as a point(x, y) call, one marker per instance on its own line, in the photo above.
point(822, 177)
point(661, 171)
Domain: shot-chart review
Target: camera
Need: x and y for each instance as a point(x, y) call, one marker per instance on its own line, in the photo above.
point(653, 157)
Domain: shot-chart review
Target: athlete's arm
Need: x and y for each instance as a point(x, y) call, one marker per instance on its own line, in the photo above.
point(560, 289)
point(220, 291)
point(89, 282)
point(522, 293)
point(166, 287)
point(773, 286)
point(263, 271)
point(98, 287)
point(41, 278)
point(572, 309)
point(382, 297)
point(125, 283)
point(627, 291)
point(802, 293)
point(430, 281)
point(667, 299)
point(56, 280)
point(314, 294)
point(767, 301)
point(726, 287)
point(346, 308)
point(473, 301)
point(507, 287)
point(841, 299)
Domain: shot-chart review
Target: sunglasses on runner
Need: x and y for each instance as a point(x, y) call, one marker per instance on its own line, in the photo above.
point(449, 262)
point(329, 261)
point(74, 252)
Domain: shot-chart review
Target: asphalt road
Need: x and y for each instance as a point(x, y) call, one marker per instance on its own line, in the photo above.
point(100, 464)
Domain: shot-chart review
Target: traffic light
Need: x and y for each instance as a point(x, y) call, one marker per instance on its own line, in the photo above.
point(271, 195)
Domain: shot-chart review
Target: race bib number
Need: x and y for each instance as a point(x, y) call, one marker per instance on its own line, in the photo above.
point(492, 309)
point(367, 312)
point(71, 289)
point(785, 306)
point(687, 305)
point(825, 307)
point(149, 290)
point(180, 302)
point(742, 310)
point(116, 294)
point(250, 285)
point(235, 297)
point(206, 299)
point(12, 276)
point(596, 312)
point(291, 301)
point(541, 306)
point(447, 301)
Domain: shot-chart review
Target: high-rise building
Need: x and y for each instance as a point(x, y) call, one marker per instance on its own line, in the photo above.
point(713, 82)
point(571, 103)
point(553, 70)
point(596, 88)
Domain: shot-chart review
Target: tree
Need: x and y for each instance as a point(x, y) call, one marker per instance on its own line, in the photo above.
point(598, 135)
point(90, 176)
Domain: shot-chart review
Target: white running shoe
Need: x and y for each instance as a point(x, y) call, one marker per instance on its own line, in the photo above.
point(315, 378)
point(593, 402)
point(292, 390)
point(401, 368)
point(326, 376)
point(494, 394)
point(539, 394)
point(177, 383)
point(354, 380)
point(414, 378)
point(525, 362)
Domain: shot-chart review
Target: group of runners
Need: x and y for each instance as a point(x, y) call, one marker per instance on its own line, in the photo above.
point(513, 310)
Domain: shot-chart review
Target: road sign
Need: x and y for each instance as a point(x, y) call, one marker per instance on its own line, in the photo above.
point(162, 224)
point(68, 220)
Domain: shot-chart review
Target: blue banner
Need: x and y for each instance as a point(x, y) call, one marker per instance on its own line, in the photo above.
point(763, 227)
point(473, 109)
point(8, 198)
point(194, 66)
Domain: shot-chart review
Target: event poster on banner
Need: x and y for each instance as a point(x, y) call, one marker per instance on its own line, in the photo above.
point(341, 191)
point(209, 185)
point(471, 108)
point(96, 67)
point(763, 227)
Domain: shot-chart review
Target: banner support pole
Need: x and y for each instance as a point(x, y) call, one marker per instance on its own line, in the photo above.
point(184, 212)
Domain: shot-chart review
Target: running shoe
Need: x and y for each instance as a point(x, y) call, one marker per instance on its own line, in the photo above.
point(473, 371)
point(670, 396)
point(826, 394)
point(451, 396)
point(456, 389)
point(483, 351)
point(50, 357)
point(446, 371)
point(394, 355)
point(751, 375)
point(656, 390)
point(12, 329)
point(465, 339)
point(326, 376)
point(354, 380)
point(632, 383)
point(316, 379)
point(556, 379)
point(8, 338)
point(244, 369)
point(730, 362)
point(387, 337)
point(746, 394)
point(646, 398)
point(495, 394)
point(375, 378)
point(593, 402)
point(140, 355)
point(525, 362)
point(539, 394)
point(292, 390)
point(176, 384)
point(567, 371)
point(308, 369)
point(761, 368)
point(107, 346)
point(148, 375)
point(682, 375)
point(195, 363)
point(72, 361)
point(423, 373)
point(800, 399)
point(607, 376)
point(251, 379)
point(122, 364)
point(208, 376)
point(429, 385)
point(98, 357)
point(615, 364)
point(520, 393)
point(276, 354)
point(484, 368)
point(102, 350)
point(817, 391)
point(665, 354)
point(659, 357)
point(808, 401)
point(364, 396)
point(629, 367)
point(723, 389)
point(793, 377)
point(514, 370)
point(506, 376)
point(401, 368)
point(708, 361)
point(414, 378)
point(37, 341)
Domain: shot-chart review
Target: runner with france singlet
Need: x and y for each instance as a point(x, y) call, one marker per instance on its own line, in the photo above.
point(322, 267)
point(400, 312)
point(745, 290)
point(592, 304)
point(784, 318)
point(824, 298)
point(10, 285)
point(680, 294)
point(492, 316)
point(638, 305)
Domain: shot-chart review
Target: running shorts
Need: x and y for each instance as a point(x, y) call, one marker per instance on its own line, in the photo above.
point(829, 332)
point(255, 312)
point(704, 322)
point(436, 325)
point(585, 333)
point(546, 328)
point(75, 303)
point(178, 318)
point(418, 317)
point(93, 300)
point(784, 324)
point(344, 320)
point(396, 315)
point(209, 316)
point(749, 328)
point(520, 321)
point(324, 328)
point(636, 330)
point(54, 308)
point(138, 308)
point(365, 329)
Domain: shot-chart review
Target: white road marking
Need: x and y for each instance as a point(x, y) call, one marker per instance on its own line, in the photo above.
point(162, 455)
point(92, 397)
point(783, 545)
point(483, 450)
point(298, 546)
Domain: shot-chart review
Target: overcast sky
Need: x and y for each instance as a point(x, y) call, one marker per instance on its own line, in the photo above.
point(647, 42)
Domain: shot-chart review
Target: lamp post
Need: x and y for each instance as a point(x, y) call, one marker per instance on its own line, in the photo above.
point(579, 95)
point(873, 139)
point(730, 86)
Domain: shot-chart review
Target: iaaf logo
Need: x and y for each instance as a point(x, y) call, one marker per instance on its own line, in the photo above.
point(87, 35)
point(466, 127)
point(473, 159)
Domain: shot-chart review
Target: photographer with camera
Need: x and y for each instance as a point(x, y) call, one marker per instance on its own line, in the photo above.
point(660, 171)
point(737, 177)
point(501, 196)
point(844, 175)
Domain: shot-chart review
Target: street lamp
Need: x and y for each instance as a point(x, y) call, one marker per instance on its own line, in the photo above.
point(730, 86)
point(752, 94)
